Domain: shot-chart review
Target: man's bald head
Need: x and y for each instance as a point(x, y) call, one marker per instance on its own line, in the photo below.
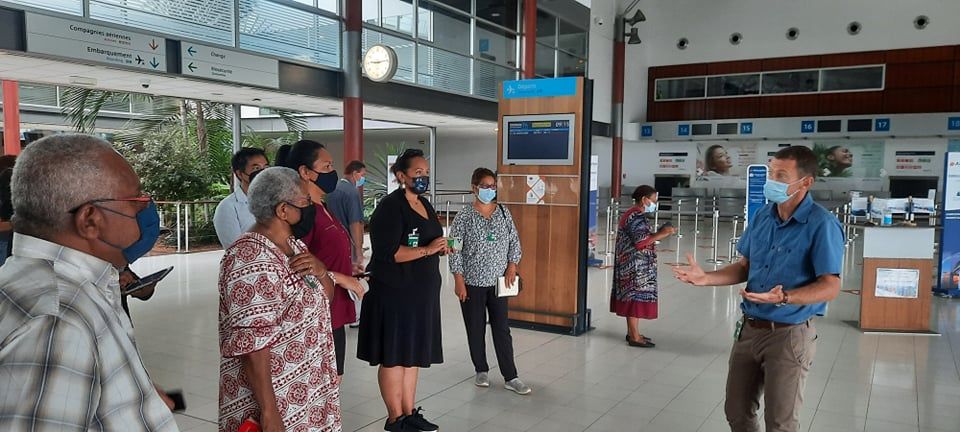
point(59, 173)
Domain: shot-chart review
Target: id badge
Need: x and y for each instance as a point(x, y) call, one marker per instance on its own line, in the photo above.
point(491, 237)
point(738, 329)
point(413, 239)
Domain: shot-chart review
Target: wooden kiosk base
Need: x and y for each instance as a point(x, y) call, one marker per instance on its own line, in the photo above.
point(897, 274)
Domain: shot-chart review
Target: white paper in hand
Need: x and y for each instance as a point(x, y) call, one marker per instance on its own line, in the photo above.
point(504, 291)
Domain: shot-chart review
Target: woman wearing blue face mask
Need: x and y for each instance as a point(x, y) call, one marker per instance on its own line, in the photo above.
point(400, 316)
point(635, 290)
point(490, 249)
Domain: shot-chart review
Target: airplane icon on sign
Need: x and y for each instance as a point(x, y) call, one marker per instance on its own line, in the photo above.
point(139, 60)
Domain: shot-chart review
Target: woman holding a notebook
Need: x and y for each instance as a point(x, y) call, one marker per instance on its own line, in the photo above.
point(484, 264)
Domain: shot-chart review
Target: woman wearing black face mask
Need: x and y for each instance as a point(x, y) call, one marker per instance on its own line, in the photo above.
point(324, 236)
point(400, 318)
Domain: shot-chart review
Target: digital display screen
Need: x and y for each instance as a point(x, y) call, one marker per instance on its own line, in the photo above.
point(539, 140)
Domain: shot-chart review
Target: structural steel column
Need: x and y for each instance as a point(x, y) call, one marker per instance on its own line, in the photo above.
point(619, 54)
point(11, 118)
point(529, 39)
point(352, 101)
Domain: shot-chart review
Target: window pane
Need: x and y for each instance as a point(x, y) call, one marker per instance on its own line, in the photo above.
point(502, 12)
point(371, 12)
point(546, 28)
point(572, 39)
point(571, 65)
point(445, 28)
point(463, 5)
point(73, 7)
point(38, 94)
point(790, 82)
point(733, 85)
point(680, 88)
point(496, 44)
point(116, 103)
point(328, 5)
point(443, 70)
point(853, 79)
point(488, 76)
point(544, 60)
point(206, 20)
point(403, 48)
point(287, 32)
point(397, 15)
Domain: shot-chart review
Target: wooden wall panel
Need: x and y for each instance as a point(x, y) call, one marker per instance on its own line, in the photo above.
point(734, 67)
point(909, 75)
point(788, 106)
point(850, 103)
point(921, 55)
point(678, 70)
point(786, 63)
point(745, 107)
point(678, 110)
point(918, 100)
point(853, 59)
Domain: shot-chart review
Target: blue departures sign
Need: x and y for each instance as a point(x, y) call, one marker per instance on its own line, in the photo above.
point(756, 178)
point(543, 87)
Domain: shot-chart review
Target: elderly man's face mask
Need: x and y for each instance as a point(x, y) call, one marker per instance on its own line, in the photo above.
point(148, 222)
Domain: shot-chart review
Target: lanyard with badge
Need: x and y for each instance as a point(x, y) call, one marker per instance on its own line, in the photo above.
point(413, 239)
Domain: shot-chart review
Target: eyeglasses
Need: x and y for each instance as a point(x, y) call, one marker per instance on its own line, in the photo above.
point(487, 186)
point(142, 198)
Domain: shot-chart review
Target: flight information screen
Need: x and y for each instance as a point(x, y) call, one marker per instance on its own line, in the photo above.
point(539, 141)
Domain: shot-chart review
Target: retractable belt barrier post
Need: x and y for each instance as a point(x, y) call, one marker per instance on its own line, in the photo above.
point(713, 241)
point(732, 250)
point(679, 223)
point(696, 217)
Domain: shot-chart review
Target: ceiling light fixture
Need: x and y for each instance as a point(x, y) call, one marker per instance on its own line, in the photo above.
point(83, 81)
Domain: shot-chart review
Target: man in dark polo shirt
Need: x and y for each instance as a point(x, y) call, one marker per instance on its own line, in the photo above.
point(792, 254)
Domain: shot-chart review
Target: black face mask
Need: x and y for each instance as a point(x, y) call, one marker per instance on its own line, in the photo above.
point(254, 174)
point(327, 182)
point(308, 217)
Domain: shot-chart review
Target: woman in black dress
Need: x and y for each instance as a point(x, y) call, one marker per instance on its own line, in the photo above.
point(400, 316)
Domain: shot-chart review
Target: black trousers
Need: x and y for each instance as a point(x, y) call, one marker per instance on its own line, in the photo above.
point(482, 301)
point(340, 346)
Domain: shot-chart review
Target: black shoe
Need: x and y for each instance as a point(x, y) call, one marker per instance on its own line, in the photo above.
point(399, 425)
point(415, 421)
point(643, 343)
point(627, 337)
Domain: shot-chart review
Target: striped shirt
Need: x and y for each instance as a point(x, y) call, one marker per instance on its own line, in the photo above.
point(68, 361)
point(489, 245)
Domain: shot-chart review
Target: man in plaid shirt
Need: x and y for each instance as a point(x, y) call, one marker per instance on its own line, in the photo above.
point(68, 361)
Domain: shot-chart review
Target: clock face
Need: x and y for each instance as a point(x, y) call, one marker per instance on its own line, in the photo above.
point(380, 63)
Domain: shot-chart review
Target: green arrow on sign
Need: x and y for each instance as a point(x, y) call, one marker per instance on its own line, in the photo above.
point(192, 67)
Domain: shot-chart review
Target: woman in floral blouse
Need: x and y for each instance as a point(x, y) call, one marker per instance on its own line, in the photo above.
point(276, 340)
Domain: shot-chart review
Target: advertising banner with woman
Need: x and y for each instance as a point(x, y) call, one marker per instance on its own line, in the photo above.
point(950, 236)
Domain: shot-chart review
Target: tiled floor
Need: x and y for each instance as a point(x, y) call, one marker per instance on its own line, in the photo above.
point(594, 382)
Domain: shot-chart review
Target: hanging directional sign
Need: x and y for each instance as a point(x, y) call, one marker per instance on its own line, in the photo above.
point(78, 39)
point(228, 65)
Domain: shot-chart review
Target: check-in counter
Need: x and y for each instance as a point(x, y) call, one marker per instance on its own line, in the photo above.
point(897, 279)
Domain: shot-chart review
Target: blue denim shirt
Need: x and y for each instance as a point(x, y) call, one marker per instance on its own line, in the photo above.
point(792, 253)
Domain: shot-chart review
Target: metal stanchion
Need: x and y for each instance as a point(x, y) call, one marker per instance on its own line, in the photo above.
point(179, 242)
point(696, 217)
point(734, 239)
point(679, 223)
point(448, 214)
point(186, 230)
point(656, 221)
point(609, 228)
point(716, 228)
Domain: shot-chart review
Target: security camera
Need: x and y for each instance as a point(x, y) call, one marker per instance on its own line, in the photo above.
point(598, 21)
point(145, 83)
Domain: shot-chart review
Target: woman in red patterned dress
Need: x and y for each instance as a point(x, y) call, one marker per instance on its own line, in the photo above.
point(276, 340)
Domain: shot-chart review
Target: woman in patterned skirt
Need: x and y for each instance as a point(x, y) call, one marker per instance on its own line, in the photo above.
point(634, 293)
point(276, 340)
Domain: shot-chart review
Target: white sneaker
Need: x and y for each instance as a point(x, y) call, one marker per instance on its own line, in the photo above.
point(481, 380)
point(517, 386)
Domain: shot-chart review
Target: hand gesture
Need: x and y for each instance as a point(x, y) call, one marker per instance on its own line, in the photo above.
point(460, 289)
point(437, 246)
point(667, 231)
point(307, 264)
point(770, 297)
point(351, 284)
point(691, 273)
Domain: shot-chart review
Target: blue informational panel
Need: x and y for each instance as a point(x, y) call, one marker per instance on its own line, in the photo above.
point(808, 126)
point(683, 130)
point(949, 275)
point(881, 125)
point(542, 87)
point(953, 123)
point(756, 178)
point(646, 130)
point(746, 128)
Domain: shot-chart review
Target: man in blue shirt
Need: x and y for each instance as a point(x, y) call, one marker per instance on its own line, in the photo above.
point(232, 216)
point(792, 255)
point(346, 204)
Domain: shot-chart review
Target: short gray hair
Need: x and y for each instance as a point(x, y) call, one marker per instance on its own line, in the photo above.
point(271, 187)
point(55, 175)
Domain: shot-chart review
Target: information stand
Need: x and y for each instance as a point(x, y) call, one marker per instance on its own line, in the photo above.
point(897, 275)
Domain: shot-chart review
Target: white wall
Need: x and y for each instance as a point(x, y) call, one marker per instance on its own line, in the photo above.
point(886, 24)
point(600, 65)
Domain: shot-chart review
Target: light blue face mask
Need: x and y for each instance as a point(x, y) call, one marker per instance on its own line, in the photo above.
point(362, 181)
point(776, 192)
point(486, 196)
point(650, 208)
